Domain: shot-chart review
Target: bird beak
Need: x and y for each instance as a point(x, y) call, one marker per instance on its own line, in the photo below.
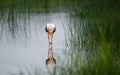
point(50, 36)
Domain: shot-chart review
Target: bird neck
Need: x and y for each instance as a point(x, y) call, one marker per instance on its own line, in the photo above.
point(50, 36)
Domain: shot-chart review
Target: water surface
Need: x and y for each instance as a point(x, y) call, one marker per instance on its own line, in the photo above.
point(25, 47)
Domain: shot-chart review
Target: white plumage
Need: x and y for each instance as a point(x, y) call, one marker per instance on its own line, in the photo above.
point(50, 27)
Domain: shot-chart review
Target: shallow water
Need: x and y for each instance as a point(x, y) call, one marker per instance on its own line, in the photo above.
point(26, 47)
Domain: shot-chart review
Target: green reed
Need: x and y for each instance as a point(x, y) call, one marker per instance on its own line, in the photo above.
point(93, 38)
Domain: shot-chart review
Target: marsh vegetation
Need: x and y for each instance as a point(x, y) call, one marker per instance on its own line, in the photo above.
point(92, 29)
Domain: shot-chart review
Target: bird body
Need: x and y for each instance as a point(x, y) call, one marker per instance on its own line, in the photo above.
point(50, 28)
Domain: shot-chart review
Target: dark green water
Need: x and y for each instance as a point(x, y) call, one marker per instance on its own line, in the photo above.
point(86, 41)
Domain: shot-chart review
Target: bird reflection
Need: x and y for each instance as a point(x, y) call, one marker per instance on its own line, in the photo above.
point(51, 60)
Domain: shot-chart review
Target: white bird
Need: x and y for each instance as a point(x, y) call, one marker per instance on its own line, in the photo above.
point(50, 28)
